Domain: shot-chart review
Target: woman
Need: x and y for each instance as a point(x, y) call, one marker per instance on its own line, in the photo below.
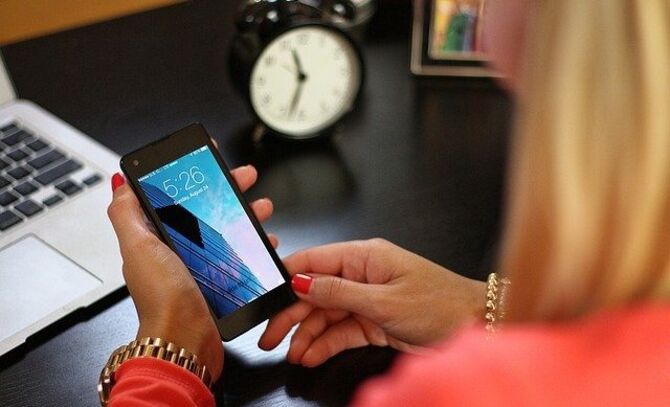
point(585, 246)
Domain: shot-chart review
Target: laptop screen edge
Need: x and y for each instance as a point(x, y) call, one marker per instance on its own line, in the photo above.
point(6, 89)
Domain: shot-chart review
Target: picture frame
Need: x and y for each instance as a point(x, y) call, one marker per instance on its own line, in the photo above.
point(447, 40)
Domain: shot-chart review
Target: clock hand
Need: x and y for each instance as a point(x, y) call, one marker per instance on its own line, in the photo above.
point(301, 74)
point(296, 98)
point(288, 69)
point(302, 77)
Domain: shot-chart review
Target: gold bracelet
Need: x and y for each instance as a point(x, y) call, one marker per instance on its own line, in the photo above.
point(152, 348)
point(495, 301)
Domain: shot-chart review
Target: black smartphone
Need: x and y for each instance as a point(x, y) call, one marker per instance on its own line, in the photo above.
point(188, 193)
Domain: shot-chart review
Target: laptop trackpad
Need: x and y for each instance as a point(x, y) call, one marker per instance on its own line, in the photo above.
point(36, 280)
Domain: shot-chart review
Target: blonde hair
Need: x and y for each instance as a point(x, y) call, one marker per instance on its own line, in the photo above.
point(588, 223)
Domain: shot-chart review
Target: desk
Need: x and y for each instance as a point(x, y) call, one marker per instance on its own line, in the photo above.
point(420, 163)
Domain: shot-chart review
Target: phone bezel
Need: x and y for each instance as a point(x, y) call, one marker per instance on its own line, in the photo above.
point(170, 148)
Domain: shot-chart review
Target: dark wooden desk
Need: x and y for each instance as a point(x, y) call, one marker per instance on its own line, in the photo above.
point(420, 163)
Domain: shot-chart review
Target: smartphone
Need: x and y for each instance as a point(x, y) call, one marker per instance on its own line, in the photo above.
point(190, 196)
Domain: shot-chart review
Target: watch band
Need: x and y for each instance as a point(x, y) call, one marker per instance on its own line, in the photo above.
point(152, 348)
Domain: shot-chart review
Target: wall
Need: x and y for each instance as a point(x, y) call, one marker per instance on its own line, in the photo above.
point(24, 19)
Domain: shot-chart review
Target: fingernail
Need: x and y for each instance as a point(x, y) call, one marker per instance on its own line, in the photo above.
point(307, 358)
point(301, 283)
point(117, 181)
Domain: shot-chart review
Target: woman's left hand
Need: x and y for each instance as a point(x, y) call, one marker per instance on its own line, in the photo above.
point(168, 302)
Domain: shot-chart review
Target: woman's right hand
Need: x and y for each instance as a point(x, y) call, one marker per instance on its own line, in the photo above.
point(372, 292)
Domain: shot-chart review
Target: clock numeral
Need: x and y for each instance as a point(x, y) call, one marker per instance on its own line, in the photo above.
point(324, 107)
point(303, 38)
point(337, 92)
point(285, 45)
point(344, 72)
point(322, 40)
point(337, 54)
point(269, 60)
point(266, 99)
point(302, 116)
point(261, 81)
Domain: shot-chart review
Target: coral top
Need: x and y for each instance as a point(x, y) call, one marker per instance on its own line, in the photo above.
point(615, 358)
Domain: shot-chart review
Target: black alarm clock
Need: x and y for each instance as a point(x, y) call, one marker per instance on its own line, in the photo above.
point(299, 69)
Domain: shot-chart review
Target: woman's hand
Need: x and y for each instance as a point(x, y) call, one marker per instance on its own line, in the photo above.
point(168, 302)
point(371, 292)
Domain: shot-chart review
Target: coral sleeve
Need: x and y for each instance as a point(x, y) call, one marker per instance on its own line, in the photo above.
point(617, 358)
point(154, 382)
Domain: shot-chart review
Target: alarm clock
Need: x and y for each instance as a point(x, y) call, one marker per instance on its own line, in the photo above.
point(300, 73)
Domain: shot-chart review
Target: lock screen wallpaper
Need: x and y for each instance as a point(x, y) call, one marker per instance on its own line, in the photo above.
point(210, 230)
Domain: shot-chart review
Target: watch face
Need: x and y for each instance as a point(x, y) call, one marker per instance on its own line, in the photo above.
point(305, 80)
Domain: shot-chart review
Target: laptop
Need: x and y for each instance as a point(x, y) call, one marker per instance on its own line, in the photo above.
point(58, 251)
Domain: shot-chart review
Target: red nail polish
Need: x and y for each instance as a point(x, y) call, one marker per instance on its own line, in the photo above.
point(117, 181)
point(301, 283)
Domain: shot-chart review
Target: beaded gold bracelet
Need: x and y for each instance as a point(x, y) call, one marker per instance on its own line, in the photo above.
point(495, 301)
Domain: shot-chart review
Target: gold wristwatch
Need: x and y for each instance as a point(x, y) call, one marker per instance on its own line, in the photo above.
point(150, 348)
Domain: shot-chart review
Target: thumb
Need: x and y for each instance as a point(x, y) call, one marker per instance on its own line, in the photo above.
point(330, 292)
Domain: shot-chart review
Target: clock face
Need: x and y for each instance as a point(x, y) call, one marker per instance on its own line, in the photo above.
point(305, 80)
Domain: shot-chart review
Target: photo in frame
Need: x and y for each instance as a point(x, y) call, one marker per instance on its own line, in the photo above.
point(447, 38)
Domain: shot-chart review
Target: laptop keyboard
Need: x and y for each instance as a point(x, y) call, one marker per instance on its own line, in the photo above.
point(35, 175)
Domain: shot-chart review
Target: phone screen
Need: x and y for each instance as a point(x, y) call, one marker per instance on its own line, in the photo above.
point(210, 231)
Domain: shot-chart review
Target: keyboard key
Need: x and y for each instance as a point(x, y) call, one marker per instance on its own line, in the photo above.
point(57, 172)
point(25, 188)
point(8, 219)
point(92, 180)
point(68, 187)
point(15, 138)
point(18, 173)
point(4, 182)
point(37, 145)
point(28, 208)
point(17, 155)
point(10, 128)
point(52, 200)
point(46, 159)
point(7, 198)
point(3, 164)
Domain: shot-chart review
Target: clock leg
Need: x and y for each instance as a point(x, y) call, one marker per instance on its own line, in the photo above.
point(258, 132)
